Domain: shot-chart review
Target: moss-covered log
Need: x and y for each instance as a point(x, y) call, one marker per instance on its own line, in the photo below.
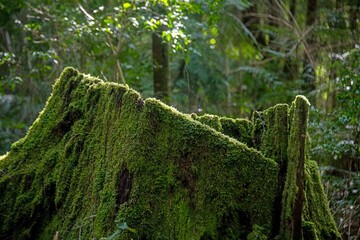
point(101, 161)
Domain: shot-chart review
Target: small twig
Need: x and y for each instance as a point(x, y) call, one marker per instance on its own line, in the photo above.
point(85, 12)
point(269, 16)
point(115, 53)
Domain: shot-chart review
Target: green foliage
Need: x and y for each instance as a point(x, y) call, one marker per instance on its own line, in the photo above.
point(337, 133)
point(10, 109)
point(110, 40)
point(8, 8)
point(342, 188)
point(257, 234)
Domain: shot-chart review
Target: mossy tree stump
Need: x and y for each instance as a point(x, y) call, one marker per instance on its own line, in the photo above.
point(99, 156)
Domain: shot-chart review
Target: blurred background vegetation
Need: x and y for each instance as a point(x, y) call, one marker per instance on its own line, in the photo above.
point(225, 57)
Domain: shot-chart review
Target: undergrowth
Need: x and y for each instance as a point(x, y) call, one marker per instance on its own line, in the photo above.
point(343, 192)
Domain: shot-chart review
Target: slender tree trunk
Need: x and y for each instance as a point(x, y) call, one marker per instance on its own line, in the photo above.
point(291, 66)
point(292, 9)
point(354, 18)
point(308, 65)
point(253, 23)
point(311, 12)
point(161, 72)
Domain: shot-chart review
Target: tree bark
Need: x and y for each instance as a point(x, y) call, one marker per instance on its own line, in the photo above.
point(161, 72)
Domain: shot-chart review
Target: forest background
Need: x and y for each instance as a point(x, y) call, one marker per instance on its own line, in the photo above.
point(224, 57)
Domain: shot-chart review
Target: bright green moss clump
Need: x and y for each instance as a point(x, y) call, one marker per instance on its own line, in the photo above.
point(240, 129)
point(212, 121)
point(99, 156)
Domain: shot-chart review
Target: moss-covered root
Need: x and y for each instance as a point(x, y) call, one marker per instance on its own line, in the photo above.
point(293, 194)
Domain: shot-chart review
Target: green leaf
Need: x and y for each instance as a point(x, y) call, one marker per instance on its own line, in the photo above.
point(215, 31)
point(212, 41)
point(275, 53)
point(126, 6)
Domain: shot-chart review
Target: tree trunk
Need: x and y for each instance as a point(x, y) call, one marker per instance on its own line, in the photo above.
point(308, 65)
point(291, 66)
point(161, 72)
point(354, 18)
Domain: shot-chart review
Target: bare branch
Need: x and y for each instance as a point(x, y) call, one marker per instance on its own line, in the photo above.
point(85, 12)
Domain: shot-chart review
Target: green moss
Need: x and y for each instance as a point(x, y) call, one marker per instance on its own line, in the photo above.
point(315, 207)
point(293, 196)
point(309, 231)
point(271, 132)
point(239, 129)
point(193, 162)
point(209, 120)
point(99, 153)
